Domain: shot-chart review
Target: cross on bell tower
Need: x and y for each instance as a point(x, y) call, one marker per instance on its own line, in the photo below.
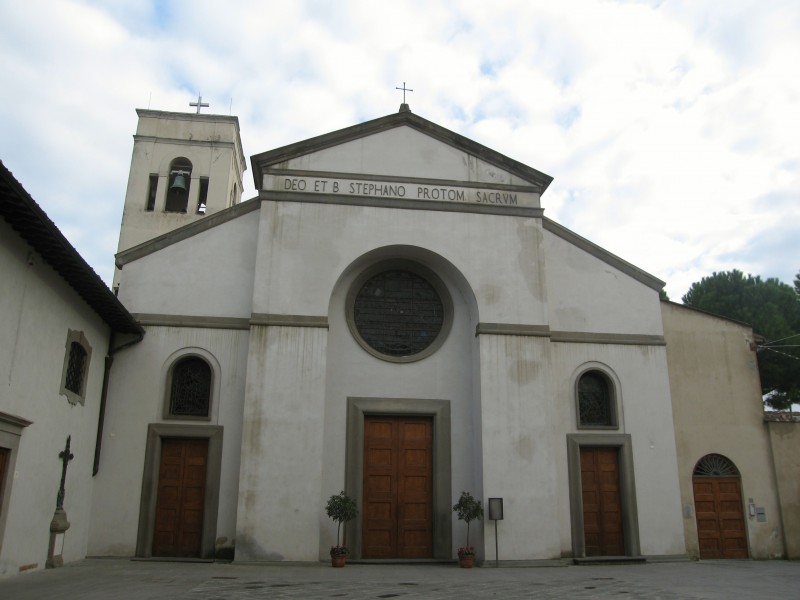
point(200, 104)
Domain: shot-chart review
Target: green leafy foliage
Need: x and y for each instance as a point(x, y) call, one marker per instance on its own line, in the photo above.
point(772, 308)
point(468, 509)
point(341, 508)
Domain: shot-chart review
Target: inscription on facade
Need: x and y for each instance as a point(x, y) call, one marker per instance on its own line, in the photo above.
point(408, 191)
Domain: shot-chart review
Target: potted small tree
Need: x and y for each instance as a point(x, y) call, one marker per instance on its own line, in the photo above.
point(341, 508)
point(468, 509)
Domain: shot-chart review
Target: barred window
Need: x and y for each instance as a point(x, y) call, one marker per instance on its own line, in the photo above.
point(75, 372)
point(595, 401)
point(76, 368)
point(190, 388)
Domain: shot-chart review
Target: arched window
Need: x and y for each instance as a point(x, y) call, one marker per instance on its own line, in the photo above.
point(190, 388)
point(715, 465)
point(180, 177)
point(596, 405)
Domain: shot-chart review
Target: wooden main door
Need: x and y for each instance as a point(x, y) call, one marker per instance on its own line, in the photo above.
point(181, 497)
point(602, 507)
point(720, 518)
point(397, 520)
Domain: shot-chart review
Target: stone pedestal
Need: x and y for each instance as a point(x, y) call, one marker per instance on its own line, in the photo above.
point(58, 526)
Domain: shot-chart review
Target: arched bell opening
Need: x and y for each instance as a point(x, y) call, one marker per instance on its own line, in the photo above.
point(180, 176)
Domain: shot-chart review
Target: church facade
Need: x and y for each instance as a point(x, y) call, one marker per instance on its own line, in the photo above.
point(394, 316)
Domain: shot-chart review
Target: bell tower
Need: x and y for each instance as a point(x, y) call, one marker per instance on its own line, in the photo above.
point(185, 166)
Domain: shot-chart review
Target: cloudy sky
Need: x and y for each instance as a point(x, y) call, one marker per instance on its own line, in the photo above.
point(672, 128)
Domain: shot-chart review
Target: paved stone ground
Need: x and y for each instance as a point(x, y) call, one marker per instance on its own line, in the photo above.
point(112, 579)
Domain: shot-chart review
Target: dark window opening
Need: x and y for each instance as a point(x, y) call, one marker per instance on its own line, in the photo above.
point(180, 177)
point(203, 196)
point(151, 193)
point(715, 465)
point(398, 313)
point(190, 389)
point(76, 368)
point(594, 401)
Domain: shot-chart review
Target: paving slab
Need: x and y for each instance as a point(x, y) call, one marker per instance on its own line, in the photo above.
point(119, 579)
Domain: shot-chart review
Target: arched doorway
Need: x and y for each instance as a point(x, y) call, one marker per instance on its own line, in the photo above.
point(718, 508)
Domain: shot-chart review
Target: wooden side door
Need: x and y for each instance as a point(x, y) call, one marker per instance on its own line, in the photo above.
point(602, 506)
point(397, 520)
point(720, 517)
point(181, 497)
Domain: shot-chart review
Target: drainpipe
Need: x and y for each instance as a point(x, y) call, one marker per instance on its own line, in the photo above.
point(104, 393)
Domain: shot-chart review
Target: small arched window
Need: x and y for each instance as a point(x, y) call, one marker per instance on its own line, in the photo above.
point(190, 388)
point(596, 405)
point(180, 177)
point(715, 465)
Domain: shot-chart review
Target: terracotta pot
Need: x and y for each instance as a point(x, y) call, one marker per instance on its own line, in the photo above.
point(337, 560)
point(466, 561)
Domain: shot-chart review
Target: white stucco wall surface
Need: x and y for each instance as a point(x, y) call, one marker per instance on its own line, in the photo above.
point(32, 359)
point(137, 397)
point(208, 274)
point(279, 514)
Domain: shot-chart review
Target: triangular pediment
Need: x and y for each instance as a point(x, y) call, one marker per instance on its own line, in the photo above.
point(398, 157)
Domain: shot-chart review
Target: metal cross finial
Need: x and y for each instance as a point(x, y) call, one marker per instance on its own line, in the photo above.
point(65, 455)
point(200, 104)
point(405, 89)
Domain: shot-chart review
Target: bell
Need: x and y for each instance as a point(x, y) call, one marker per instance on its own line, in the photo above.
point(179, 183)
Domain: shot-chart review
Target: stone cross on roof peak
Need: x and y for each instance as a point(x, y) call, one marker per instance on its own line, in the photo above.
point(200, 104)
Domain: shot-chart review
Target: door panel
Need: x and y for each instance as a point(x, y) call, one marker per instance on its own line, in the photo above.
point(398, 487)
point(178, 529)
point(720, 517)
point(602, 506)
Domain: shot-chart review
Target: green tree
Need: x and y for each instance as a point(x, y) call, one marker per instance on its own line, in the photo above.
point(797, 284)
point(773, 310)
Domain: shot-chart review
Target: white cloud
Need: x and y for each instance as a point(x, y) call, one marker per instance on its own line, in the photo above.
point(670, 127)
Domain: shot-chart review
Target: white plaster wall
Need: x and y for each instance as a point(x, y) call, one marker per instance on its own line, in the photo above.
point(518, 455)
point(716, 399)
point(352, 372)
point(310, 245)
point(282, 452)
point(644, 412)
point(589, 295)
point(304, 249)
point(208, 274)
point(136, 398)
point(404, 152)
point(38, 309)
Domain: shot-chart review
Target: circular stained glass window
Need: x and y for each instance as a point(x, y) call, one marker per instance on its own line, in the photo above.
point(398, 313)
